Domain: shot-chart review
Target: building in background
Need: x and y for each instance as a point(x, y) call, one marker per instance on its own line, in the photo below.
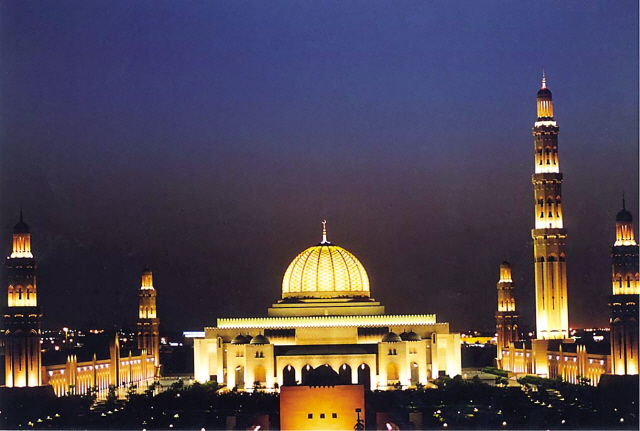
point(506, 316)
point(624, 301)
point(326, 317)
point(67, 373)
point(148, 322)
point(22, 317)
point(96, 371)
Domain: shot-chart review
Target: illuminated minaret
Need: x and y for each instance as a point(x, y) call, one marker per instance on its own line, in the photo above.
point(624, 301)
point(506, 317)
point(22, 317)
point(552, 318)
point(148, 322)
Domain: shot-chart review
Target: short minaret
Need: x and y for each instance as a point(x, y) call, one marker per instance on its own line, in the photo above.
point(552, 316)
point(148, 322)
point(506, 317)
point(22, 317)
point(624, 301)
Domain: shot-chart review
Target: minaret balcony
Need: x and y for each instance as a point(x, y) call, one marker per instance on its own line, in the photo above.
point(549, 233)
point(547, 177)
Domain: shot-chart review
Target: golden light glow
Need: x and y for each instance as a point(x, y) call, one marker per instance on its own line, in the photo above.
point(624, 234)
point(21, 245)
point(327, 321)
point(147, 280)
point(325, 270)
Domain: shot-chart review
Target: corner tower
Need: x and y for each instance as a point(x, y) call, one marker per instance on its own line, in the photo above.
point(148, 322)
point(506, 317)
point(624, 301)
point(22, 317)
point(552, 317)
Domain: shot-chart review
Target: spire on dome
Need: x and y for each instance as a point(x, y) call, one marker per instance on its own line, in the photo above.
point(324, 232)
point(544, 80)
point(624, 207)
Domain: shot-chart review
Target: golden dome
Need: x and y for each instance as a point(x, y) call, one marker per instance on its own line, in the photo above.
point(325, 271)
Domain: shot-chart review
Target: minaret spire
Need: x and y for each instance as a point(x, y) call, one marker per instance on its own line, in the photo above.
point(624, 207)
point(544, 80)
point(324, 232)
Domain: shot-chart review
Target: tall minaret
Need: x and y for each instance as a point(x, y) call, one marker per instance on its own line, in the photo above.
point(624, 301)
point(552, 318)
point(506, 317)
point(22, 317)
point(148, 322)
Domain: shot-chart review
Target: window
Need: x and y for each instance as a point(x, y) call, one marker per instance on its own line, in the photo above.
point(334, 415)
point(310, 416)
point(321, 415)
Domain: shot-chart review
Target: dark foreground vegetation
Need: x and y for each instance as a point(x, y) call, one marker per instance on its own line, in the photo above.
point(456, 404)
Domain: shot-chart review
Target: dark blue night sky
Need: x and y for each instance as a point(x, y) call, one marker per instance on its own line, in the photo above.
point(209, 139)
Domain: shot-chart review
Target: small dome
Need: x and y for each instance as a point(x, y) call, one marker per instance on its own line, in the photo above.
point(410, 336)
point(505, 265)
point(544, 93)
point(240, 339)
point(21, 226)
point(391, 337)
point(624, 216)
point(146, 271)
point(260, 339)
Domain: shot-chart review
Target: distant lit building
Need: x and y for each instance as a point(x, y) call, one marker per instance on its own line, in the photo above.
point(22, 317)
point(148, 322)
point(624, 301)
point(506, 316)
point(326, 317)
point(24, 365)
point(117, 366)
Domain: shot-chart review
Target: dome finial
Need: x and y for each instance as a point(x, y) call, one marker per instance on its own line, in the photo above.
point(544, 80)
point(624, 207)
point(324, 232)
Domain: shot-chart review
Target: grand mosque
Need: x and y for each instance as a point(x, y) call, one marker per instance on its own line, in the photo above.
point(327, 319)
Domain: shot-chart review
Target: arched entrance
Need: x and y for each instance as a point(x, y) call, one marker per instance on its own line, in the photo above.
point(414, 374)
point(344, 375)
point(240, 377)
point(259, 376)
point(392, 373)
point(305, 373)
point(364, 376)
point(289, 376)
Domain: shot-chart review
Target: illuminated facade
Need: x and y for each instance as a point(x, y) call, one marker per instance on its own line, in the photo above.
point(148, 322)
point(77, 378)
point(326, 317)
point(22, 336)
point(22, 317)
point(506, 316)
point(624, 301)
point(552, 318)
